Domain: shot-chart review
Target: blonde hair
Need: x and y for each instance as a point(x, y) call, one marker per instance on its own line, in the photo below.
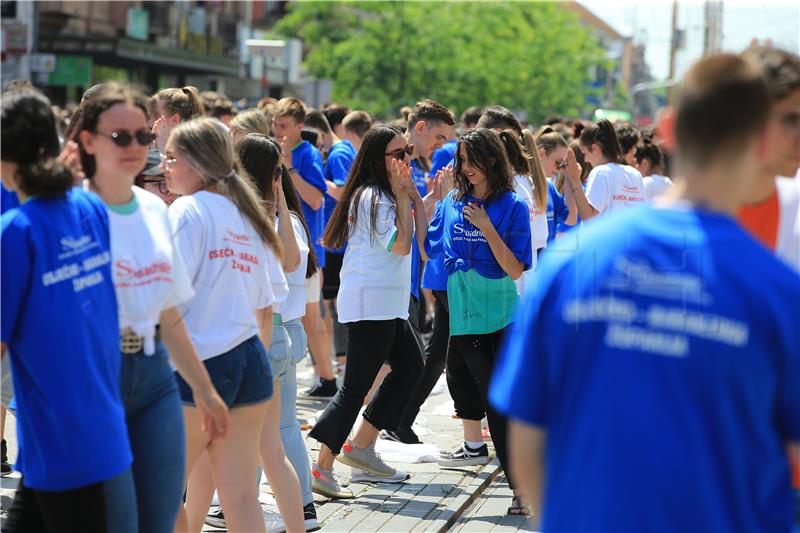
point(537, 171)
point(185, 102)
point(207, 147)
point(290, 107)
point(251, 121)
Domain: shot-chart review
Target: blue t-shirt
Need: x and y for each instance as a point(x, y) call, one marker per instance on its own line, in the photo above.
point(59, 320)
point(337, 167)
point(443, 157)
point(557, 212)
point(662, 358)
point(463, 245)
point(416, 264)
point(8, 200)
point(307, 160)
point(435, 276)
point(418, 175)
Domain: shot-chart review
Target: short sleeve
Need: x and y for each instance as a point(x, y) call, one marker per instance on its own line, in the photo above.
point(597, 188)
point(338, 167)
point(181, 291)
point(310, 169)
point(435, 236)
point(519, 239)
point(385, 228)
point(277, 279)
point(300, 235)
point(15, 276)
point(187, 234)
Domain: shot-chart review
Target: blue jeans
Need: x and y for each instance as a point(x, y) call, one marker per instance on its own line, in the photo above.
point(155, 428)
point(291, 436)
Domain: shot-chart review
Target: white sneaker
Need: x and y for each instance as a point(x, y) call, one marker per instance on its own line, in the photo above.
point(273, 521)
point(361, 476)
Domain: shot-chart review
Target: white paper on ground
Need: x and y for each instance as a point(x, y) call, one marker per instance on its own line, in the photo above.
point(397, 452)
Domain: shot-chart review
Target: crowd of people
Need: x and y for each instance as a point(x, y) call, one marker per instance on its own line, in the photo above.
point(618, 303)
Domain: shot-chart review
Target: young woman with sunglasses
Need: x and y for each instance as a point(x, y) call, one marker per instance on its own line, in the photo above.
point(483, 230)
point(612, 184)
point(552, 150)
point(374, 217)
point(150, 281)
point(227, 242)
point(61, 268)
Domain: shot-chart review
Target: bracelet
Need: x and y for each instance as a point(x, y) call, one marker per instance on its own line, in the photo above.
point(290, 170)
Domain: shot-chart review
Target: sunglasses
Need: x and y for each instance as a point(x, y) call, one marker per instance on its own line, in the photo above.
point(123, 138)
point(162, 185)
point(400, 153)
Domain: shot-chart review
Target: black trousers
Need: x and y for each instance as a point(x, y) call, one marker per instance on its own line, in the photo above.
point(370, 343)
point(479, 353)
point(435, 357)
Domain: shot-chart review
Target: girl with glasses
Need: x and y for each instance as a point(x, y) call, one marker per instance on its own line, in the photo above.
point(552, 151)
point(374, 217)
point(228, 243)
point(151, 282)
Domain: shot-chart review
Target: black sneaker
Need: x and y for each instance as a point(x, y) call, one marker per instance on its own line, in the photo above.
point(310, 517)
point(325, 390)
point(5, 467)
point(404, 435)
point(465, 456)
point(215, 518)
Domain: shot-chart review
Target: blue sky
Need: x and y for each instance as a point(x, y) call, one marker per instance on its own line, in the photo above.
point(649, 22)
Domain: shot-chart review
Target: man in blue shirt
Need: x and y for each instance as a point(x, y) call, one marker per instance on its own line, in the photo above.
point(654, 372)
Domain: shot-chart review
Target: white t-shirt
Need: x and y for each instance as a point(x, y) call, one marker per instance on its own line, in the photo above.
point(613, 186)
point(655, 185)
point(149, 274)
point(375, 283)
point(787, 245)
point(228, 264)
point(295, 304)
point(525, 189)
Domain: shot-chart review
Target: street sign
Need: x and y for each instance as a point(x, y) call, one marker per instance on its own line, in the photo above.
point(43, 63)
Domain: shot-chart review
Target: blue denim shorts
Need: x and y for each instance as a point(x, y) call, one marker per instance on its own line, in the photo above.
point(242, 375)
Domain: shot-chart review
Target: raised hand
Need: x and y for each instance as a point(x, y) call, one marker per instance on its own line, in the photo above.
point(573, 169)
point(287, 153)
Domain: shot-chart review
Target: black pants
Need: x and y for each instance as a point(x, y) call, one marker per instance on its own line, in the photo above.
point(370, 343)
point(435, 357)
point(479, 354)
point(108, 506)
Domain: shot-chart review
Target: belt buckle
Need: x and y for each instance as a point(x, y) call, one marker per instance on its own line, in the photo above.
point(130, 344)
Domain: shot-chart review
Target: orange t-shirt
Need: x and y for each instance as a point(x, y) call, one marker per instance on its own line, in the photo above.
point(761, 220)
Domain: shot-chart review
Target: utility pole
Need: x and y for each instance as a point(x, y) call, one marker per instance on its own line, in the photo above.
point(712, 39)
point(673, 50)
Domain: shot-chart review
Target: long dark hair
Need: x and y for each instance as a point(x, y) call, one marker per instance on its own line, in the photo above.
point(31, 141)
point(525, 162)
point(369, 170)
point(604, 135)
point(258, 154)
point(485, 151)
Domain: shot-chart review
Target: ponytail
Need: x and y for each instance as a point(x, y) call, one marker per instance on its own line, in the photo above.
point(537, 171)
point(184, 101)
point(604, 135)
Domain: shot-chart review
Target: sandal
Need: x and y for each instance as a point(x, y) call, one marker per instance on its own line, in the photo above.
point(517, 509)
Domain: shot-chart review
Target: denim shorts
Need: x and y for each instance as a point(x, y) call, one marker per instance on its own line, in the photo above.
point(242, 375)
point(279, 351)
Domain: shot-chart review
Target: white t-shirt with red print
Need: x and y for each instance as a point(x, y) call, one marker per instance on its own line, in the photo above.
point(228, 264)
point(149, 274)
point(613, 186)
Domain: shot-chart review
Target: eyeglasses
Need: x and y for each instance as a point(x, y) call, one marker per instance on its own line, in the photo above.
point(400, 153)
point(162, 185)
point(167, 160)
point(123, 138)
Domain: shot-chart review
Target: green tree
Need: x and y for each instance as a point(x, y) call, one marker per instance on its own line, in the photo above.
point(529, 56)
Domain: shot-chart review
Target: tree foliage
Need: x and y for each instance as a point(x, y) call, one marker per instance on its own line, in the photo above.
point(529, 56)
